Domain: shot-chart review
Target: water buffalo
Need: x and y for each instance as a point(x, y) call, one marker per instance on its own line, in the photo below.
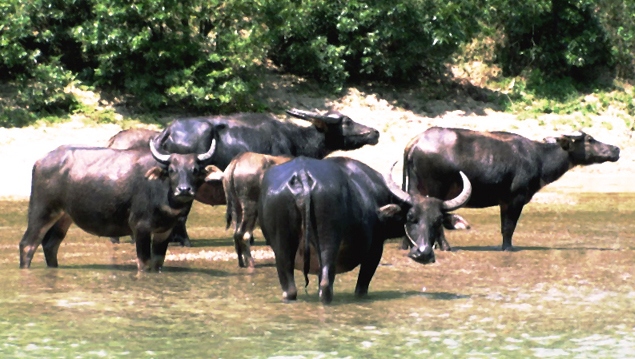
point(329, 216)
point(133, 138)
point(260, 133)
point(110, 192)
point(241, 181)
point(505, 169)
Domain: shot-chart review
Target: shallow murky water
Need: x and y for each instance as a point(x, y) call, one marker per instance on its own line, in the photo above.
point(567, 292)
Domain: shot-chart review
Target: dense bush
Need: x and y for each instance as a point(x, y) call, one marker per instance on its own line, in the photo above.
point(397, 42)
point(560, 38)
point(195, 53)
point(206, 55)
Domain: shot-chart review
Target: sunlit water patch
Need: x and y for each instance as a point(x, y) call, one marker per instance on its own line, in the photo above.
point(567, 292)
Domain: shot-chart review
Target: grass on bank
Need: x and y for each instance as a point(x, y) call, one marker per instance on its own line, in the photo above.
point(528, 97)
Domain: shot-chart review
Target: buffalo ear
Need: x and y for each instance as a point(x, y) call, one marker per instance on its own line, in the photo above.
point(155, 173)
point(213, 173)
point(389, 211)
point(454, 221)
point(565, 142)
point(319, 124)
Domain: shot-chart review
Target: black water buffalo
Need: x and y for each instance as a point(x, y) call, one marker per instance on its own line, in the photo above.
point(133, 138)
point(241, 181)
point(329, 216)
point(110, 192)
point(505, 169)
point(260, 133)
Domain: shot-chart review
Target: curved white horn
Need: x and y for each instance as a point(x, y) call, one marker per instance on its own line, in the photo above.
point(462, 198)
point(161, 158)
point(207, 155)
point(394, 188)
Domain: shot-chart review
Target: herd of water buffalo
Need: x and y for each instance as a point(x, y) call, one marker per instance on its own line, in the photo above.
point(320, 215)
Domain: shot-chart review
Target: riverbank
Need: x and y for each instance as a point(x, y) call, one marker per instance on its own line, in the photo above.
point(21, 147)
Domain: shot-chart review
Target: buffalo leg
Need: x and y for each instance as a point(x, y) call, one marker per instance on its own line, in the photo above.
point(243, 237)
point(143, 242)
point(237, 219)
point(53, 239)
point(285, 250)
point(510, 213)
point(327, 276)
point(367, 268)
point(160, 244)
point(179, 232)
point(39, 223)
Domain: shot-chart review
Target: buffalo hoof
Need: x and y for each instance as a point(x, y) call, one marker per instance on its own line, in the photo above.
point(508, 249)
point(114, 240)
point(183, 241)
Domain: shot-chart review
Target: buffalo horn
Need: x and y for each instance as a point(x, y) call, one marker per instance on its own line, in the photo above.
point(394, 188)
point(576, 135)
point(331, 117)
point(207, 155)
point(161, 158)
point(462, 198)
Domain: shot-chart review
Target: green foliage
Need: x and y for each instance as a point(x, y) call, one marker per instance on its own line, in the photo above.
point(558, 37)
point(32, 38)
point(332, 41)
point(207, 55)
point(199, 54)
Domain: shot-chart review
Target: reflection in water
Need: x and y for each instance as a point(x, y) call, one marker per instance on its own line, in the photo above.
point(566, 292)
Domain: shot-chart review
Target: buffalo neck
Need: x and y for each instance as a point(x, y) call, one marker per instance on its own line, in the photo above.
point(312, 143)
point(555, 162)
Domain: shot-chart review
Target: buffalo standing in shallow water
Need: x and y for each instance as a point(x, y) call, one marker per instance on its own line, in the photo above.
point(329, 216)
point(260, 133)
point(110, 192)
point(241, 181)
point(505, 169)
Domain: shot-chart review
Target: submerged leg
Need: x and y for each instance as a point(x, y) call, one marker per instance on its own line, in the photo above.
point(510, 213)
point(160, 244)
point(40, 221)
point(367, 269)
point(53, 239)
point(143, 242)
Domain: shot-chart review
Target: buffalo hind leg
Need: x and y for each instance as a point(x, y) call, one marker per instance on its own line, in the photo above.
point(39, 224)
point(285, 251)
point(53, 239)
point(367, 269)
point(244, 235)
point(510, 213)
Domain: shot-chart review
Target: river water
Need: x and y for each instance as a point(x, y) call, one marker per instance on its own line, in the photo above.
point(568, 291)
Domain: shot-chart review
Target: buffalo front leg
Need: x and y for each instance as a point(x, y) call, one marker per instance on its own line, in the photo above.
point(510, 213)
point(143, 242)
point(160, 244)
point(179, 232)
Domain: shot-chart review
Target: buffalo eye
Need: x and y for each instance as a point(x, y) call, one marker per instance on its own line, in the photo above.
point(411, 218)
point(195, 171)
point(171, 170)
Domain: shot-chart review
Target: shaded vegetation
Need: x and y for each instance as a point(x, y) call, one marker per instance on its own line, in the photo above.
point(209, 56)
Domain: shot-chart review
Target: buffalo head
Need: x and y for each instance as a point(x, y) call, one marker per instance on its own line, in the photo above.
point(185, 173)
point(583, 149)
point(426, 217)
point(340, 131)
